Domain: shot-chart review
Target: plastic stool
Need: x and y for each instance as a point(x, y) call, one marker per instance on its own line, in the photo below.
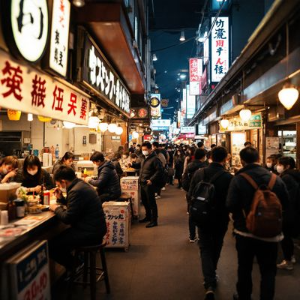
point(91, 268)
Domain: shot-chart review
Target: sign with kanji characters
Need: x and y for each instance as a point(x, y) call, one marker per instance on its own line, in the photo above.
point(155, 106)
point(196, 70)
point(26, 28)
point(187, 129)
point(99, 75)
point(206, 51)
point(26, 89)
point(59, 40)
point(29, 273)
point(162, 124)
point(190, 103)
point(237, 124)
point(219, 48)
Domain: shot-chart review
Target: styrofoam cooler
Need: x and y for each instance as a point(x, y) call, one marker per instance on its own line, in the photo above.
point(118, 220)
point(130, 185)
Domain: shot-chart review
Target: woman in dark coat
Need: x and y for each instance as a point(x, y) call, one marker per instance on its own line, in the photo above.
point(178, 166)
point(291, 177)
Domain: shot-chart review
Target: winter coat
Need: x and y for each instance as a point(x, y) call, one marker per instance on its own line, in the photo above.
point(108, 181)
point(84, 210)
point(178, 166)
point(58, 164)
point(150, 169)
point(117, 165)
point(240, 194)
point(221, 185)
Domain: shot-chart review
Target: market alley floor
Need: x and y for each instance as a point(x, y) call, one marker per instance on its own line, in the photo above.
point(161, 263)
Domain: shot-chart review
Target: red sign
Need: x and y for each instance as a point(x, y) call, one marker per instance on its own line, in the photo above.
point(147, 137)
point(196, 70)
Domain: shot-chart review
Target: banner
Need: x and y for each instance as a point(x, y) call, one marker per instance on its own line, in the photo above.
point(196, 71)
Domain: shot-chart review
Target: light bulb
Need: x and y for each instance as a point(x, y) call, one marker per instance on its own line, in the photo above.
point(78, 3)
point(112, 127)
point(135, 135)
point(30, 117)
point(245, 114)
point(288, 96)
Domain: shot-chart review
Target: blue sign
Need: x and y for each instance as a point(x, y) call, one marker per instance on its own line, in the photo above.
point(216, 4)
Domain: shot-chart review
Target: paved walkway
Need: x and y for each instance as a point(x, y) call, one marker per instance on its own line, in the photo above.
point(162, 264)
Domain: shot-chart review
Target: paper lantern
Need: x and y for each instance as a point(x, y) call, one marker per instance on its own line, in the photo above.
point(245, 114)
point(44, 119)
point(288, 96)
point(93, 122)
point(224, 123)
point(103, 127)
point(135, 135)
point(14, 115)
point(112, 127)
point(119, 130)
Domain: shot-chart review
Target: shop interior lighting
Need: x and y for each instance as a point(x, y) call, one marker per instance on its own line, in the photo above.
point(119, 130)
point(68, 125)
point(78, 3)
point(103, 127)
point(154, 57)
point(93, 120)
point(182, 36)
point(112, 127)
point(30, 117)
point(288, 96)
point(225, 123)
point(135, 135)
point(245, 114)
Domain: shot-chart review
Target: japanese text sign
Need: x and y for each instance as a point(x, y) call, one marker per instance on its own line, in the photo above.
point(26, 89)
point(195, 75)
point(219, 48)
point(156, 111)
point(237, 124)
point(190, 103)
point(27, 23)
point(58, 59)
point(29, 273)
point(98, 74)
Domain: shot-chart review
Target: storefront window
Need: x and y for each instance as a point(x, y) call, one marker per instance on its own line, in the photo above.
point(288, 142)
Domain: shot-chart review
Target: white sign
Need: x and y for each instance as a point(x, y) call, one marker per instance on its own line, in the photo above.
point(191, 104)
point(187, 129)
point(162, 122)
point(59, 41)
point(196, 70)
point(206, 51)
point(29, 22)
point(156, 111)
point(26, 89)
point(219, 48)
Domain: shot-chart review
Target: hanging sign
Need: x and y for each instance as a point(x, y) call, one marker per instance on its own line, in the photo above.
point(164, 102)
point(191, 103)
point(187, 129)
point(26, 27)
point(196, 71)
point(155, 106)
point(237, 124)
point(154, 101)
point(26, 89)
point(59, 41)
point(99, 75)
point(219, 48)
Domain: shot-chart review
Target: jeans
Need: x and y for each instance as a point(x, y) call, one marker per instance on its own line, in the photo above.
point(266, 254)
point(149, 202)
point(210, 244)
point(61, 246)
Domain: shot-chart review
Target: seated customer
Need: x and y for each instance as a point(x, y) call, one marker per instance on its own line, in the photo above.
point(66, 160)
point(116, 161)
point(83, 212)
point(107, 182)
point(8, 168)
point(32, 176)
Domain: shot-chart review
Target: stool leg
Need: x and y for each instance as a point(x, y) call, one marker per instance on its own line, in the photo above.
point(104, 267)
point(93, 275)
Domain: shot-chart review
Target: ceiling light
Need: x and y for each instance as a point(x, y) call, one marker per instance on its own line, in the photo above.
point(288, 96)
point(182, 36)
point(78, 3)
point(135, 135)
point(69, 125)
point(154, 57)
point(30, 117)
point(245, 114)
point(224, 123)
point(112, 127)
point(119, 130)
point(103, 127)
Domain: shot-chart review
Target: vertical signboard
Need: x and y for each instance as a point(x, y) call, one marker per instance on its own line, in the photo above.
point(155, 106)
point(206, 51)
point(183, 102)
point(219, 48)
point(196, 70)
point(191, 104)
point(59, 40)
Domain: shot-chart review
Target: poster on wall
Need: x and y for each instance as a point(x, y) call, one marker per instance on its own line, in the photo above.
point(272, 146)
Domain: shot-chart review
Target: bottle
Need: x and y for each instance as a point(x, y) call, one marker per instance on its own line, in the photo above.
point(57, 152)
point(12, 211)
point(42, 195)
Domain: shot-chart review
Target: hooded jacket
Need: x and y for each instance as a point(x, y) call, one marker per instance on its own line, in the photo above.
point(108, 181)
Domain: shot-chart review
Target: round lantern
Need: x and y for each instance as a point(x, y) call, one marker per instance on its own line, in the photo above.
point(44, 119)
point(288, 96)
point(14, 115)
point(224, 123)
point(119, 130)
point(103, 127)
point(135, 135)
point(112, 127)
point(245, 114)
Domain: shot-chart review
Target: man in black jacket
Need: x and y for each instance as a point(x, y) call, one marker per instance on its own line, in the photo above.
point(108, 181)
point(239, 200)
point(151, 173)
point(83, 212)
point(211, 237)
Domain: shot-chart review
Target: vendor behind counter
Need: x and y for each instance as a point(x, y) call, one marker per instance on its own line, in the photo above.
point(32, 175)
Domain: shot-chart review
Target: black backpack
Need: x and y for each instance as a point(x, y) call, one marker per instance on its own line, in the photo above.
point(186, 180)
point(202, 202)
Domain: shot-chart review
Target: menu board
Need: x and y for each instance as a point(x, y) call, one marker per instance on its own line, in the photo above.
point(272, 146)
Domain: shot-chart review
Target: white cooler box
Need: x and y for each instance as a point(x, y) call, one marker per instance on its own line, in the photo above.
point(118, 220)
point(130, 185)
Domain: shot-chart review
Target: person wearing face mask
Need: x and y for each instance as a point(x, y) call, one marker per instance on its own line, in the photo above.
point(8, 168)
point(138, 150)
point(270, 163)
point(82, 210)
point(151, 173)
point(178, 166)
point(291, 224)
point(33, 177)
point(107, 181)
point(66, 160)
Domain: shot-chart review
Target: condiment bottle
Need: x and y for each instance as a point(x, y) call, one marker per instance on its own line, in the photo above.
point(12, 213)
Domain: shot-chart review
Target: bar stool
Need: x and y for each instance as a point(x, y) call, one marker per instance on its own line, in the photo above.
point(127, 197)
point(90, 267)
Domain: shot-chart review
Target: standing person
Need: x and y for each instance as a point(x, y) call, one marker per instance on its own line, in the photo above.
point(83, 213)
point(291, 177)
point(8, 168)
point(270, 164)
point(132, 148)
point(211, 235)
point(200, 145)
point(66, 160)
point(150, 177)
point(239, 200)
point(138, 150)
point(170, 164)
point(107, 181)
point(198, 163)
point(190, 156)
point(178, 166)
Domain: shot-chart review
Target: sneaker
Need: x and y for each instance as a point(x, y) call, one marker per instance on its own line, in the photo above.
point(285, 265)
point(293, 260)
point(210, 295)
point(163, 189)
point(194, 240)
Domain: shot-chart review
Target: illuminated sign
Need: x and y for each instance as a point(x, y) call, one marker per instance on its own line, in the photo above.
point(162, 124)
point(191, 104)
point(187, 129)
point(26, 28)
point(196, 70)
point(155, 111)
point(219, 48)
point(59, 40)
point(216, 4)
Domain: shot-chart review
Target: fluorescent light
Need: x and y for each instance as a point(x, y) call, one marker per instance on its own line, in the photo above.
point(182, 36)
point(154, 57)
point(30, 117)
